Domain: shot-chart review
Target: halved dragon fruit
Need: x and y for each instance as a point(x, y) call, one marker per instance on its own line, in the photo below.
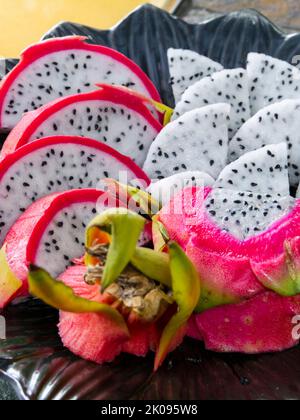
point(197, 141)
point(50, 233)
point(56, 164)
point(114, 115)
point(274, 124)
point(271, 80)
point(61, 67)
point(165, 189)
point(241, 241)
point(263, 170)
point(188, 67)
point(229, 86)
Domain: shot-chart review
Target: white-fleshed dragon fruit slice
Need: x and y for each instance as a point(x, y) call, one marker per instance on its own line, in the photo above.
point(229, 86)
point(164, 190)
point(197, 141)
point(271, 80)
point(274, 124)
point(57, 164)
point(188, 67)
point(264, 171)
point(50, 234)
point(61, 67)
point(113, 115)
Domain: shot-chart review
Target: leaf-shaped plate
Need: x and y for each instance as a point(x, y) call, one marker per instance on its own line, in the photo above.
point(33, 356)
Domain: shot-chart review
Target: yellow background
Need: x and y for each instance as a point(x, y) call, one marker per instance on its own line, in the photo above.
point(23, 22)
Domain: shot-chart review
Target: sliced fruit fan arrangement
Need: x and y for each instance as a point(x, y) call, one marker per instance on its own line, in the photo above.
point(140, 275)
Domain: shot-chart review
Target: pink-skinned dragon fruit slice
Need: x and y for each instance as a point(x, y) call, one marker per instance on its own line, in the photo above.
point(262, 324)
point(51, 232)
point(57, 164)
point(113, 115)
point(93, 336)
point(61, 67)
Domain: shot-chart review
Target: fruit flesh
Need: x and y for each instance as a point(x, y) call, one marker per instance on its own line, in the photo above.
point(76, 163)
point(197, 141)
point(187, 67)
point(228, 86)
point(274, 124)
point(115, 116)
point(264, 170)
point(69, 66)
point(245, 214)
point(271, 80)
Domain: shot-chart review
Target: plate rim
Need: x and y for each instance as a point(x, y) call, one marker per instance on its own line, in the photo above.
point(17, 385)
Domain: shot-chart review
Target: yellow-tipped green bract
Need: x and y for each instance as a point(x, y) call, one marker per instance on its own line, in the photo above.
point(124, 228)
point(59, 296)
point(186, 293)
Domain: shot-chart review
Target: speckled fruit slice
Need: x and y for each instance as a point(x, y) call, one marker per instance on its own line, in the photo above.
point(64, 66)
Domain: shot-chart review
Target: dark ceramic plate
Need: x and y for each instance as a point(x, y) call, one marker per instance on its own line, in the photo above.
point(33, 357)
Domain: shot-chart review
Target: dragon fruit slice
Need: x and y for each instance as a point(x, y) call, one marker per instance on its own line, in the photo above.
point(241, 242)
point(56, 164)
point(263, 170)
point(229, 86)
point(164, 190)
point(274, 124)
point(113, 115)
point(50, 233)
point(271, 80)
point(188, 67)
point(61, 67)
point(260, 325)
point(197, 141)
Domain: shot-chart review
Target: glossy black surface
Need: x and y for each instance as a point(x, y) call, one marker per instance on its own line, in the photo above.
point(33, 355)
